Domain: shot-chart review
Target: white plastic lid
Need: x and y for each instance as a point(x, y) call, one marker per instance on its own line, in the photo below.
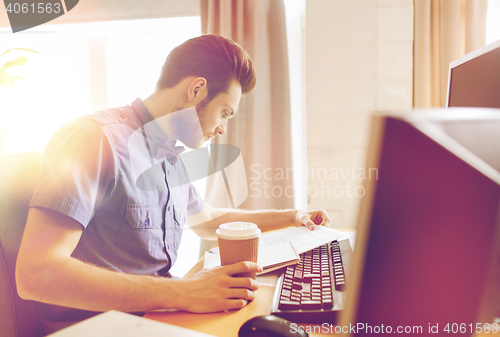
point(237, 231)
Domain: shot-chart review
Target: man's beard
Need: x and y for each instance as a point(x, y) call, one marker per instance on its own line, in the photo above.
point(190, 127)
point(200, 109)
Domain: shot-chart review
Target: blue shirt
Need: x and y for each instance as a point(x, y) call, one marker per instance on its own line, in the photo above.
point(101, 170)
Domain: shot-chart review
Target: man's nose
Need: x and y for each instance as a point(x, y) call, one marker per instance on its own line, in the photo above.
point(221, 129)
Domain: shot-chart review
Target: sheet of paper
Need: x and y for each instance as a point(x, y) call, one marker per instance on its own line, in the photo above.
point(115, 323)
point(268, 255)
point(283, 245)
point(269, 279)
point(212, 259)
point(301, 238)
point(351, 236)
point(271, 255)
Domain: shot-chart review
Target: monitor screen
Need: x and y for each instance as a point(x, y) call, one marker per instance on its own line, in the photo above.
point(428, 246)
point(474, 80)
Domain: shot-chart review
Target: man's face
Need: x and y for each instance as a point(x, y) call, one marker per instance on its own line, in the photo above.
point(213, 115)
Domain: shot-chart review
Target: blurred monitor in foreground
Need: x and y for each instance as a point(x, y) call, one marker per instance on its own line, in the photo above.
point(427, 249)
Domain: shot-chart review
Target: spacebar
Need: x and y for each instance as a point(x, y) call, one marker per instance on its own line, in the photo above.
point(310, 305)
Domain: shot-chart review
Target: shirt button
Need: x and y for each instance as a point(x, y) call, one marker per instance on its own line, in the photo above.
point(146, 222)
point(168, 208)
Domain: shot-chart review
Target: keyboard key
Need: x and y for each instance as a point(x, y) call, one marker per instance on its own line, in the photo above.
point(327, 304)
point(310, 305)
point(289, 305)
point(310, 285)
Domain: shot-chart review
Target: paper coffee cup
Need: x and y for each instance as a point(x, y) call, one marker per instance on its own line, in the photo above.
point(238, 241)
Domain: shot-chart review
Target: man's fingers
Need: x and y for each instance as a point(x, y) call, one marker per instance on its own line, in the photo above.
point(305, 219)
point(234, 304)
point(242, 267)
point(326, 219)
point(310, 224)
point(325, 223)
point(312, 218)
point(239, 293)
point(243, 282)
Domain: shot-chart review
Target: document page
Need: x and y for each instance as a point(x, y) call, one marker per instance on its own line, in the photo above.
point(301, 238)
point(280, 248)
point(269, 257)
point(115, 323)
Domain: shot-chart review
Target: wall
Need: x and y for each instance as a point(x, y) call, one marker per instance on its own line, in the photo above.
point(359, 59)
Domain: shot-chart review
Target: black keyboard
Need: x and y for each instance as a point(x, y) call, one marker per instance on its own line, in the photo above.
point(312, 291)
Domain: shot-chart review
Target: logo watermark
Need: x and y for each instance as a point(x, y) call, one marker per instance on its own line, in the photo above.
point(26, 14)
point(322, 182)
point(449, 328)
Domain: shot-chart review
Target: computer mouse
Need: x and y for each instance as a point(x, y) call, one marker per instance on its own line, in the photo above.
point(270, 326)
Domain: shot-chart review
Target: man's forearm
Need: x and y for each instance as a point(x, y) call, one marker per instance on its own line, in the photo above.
point(266, 220)
point(79, 285)
point(72, 283)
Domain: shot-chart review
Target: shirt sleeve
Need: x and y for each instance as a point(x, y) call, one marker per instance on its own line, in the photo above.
point(77, 171)
point(195, 202)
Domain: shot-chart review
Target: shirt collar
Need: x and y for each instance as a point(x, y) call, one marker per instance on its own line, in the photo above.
point(153, 130)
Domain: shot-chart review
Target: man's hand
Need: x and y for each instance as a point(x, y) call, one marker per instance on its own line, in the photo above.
point(214, 289)
point(208, 220)
point(311, 218)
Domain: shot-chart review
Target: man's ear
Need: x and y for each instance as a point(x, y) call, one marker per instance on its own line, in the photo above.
point(197, 90)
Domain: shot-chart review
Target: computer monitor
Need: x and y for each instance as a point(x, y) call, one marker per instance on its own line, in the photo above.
point(474, 79)
point(428, 245)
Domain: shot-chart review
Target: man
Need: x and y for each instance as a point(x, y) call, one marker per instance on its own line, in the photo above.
point(107, 214)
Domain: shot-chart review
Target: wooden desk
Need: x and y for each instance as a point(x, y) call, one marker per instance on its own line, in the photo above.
point(227, 324)
point(221, 324)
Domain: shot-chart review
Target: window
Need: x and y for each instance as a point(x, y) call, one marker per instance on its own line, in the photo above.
point(493, 21)
point(43, 84)
point(46, 73)
point(135, 55)
point(295, 14)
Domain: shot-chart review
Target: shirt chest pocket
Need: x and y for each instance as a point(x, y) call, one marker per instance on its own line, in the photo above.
point(143, 235)
point(143, 217)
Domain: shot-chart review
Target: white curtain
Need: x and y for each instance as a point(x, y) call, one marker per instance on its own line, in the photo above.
point(262, 126)
point(445, 30)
